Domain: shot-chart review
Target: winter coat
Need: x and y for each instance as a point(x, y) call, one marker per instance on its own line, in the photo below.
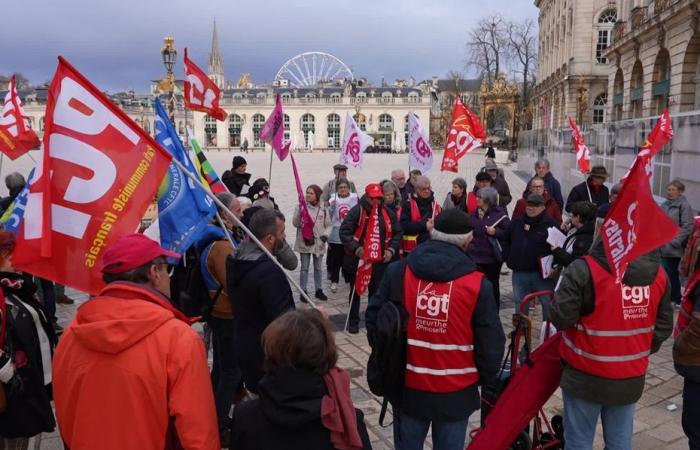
point(481, 249)
point(329, 189)
point(553, 188)
point(216, 267)
point(575, 298)
point(336, 218)
point(406, 192)
point(680, 211)
point(462, 204)
point(686, 349)
point(552, 209)
point(130, 372)
point(28, 395)
point(579, 193)
point(579, 242)
point(235, 182)
point(501, 185)
point(286, 415)
point(426, 209)
point(260, 293)
point(322, 227)
point(526, 242)
point(352, 221)
point(491, 152)
point(443, 262)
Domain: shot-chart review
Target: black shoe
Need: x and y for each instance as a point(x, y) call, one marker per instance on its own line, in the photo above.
point(353, 328)
point(303, 299)
point(321, 296)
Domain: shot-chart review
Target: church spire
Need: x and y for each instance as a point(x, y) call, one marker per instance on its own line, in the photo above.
point(216, 61)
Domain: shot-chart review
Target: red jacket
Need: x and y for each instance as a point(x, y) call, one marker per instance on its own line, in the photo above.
point(130, 373)
point(552, 209)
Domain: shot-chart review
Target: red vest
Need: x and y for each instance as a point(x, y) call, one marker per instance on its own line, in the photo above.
point(686, 311)
point(440, 350)
point(615, 340)
point(360, 230)
point(410, 241)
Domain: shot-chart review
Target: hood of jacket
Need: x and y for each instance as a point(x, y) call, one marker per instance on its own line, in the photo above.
point(121, 316)
point(291, 398)
point(640, 272)
point(439, 261)
point(248, 256)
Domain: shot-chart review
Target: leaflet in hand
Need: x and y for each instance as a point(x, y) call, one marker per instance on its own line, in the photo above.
point(555, 237)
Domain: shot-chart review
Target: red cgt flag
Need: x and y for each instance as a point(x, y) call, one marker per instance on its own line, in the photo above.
point(635, 224)
point(466, 133)
point(201, 94)
point(371, 252)
point(660, 135)
point(583, 156)
point(98, 173)
point(16, 135)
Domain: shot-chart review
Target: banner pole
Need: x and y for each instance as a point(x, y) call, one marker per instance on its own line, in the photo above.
point(269, 176)
point(220, 204)
point(352, 299)
point(588, 188)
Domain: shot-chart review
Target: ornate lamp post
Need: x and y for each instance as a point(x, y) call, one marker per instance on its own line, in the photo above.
point(169, 54)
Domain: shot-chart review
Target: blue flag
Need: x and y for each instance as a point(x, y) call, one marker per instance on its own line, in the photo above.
point(15, 212)
point(183, 207)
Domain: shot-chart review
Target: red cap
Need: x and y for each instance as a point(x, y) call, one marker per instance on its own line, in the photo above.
point(132, 251)
point(374, 190)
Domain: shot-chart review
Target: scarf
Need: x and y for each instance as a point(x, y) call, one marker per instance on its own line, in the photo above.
point(338, 412)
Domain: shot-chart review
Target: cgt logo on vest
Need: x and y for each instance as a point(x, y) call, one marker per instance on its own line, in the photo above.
point(432, 306)
point(635, 301)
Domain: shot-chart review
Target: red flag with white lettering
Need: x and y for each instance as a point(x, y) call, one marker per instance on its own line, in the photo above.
point(16, 134)
point(371, 252)
point(98, 173)
point(583, 156)
point(201, 94)
point(660, 135)
point(466, 133)
point(635, 224)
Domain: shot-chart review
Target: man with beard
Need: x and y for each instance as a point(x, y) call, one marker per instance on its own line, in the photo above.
point(417, 214)
point(259, 292)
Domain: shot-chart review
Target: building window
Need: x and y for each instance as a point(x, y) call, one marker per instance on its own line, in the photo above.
point(210, 131)
point(308, 126)
point(387, 97)
point(386, 130)
point(413, 97)
point(661, 85)
point(361, 97)
point(235, 124)
point(405, 130)
point(287, 133)
point(636, 90)
point(618, 95)
point(599, 105)
point(181, 128)
point(606, 22)
point(286, 97)
point(258, 122)
point(333, 131)
point(335, 97)
point(237, 98)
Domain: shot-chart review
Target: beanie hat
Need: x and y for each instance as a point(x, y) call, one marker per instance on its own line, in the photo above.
point(238, 161)
point(453, 221)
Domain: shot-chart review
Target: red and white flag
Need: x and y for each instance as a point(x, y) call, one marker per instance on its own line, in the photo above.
point(16, 134)
point(421, 153)
point(371, 252)
point(201, 94)
point(97, 174)
point(272, 131)
point(583, 156)
point(635, 224)
point(466, 133)
point(355, 142)
point(660, 135)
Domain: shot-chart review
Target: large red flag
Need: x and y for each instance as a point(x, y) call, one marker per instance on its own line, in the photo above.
point(466, 133)
point(98, 173)
point(635, 224)
point(660, 135)
point(583, 156)
point(371, 252)
point(201, 94)
point(16, 135)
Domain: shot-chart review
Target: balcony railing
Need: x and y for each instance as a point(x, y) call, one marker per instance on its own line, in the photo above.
point(618, 99)
point(270, 101)
point(662, 87)
point(637, 93)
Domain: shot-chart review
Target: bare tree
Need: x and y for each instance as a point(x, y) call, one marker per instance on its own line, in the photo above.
point(522, 42)
point(488, 46)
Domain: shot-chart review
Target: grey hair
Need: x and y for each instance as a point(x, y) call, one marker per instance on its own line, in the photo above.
point(421, 180)
point(489, 195)
point(15, 180)
point(454, 239)
point(226, 198)
point(245, 201)
point(396, 172)
point(390, 186)
point(542, 162)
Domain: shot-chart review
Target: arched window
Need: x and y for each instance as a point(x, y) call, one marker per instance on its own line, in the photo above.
point(386, 122)
point(308, 125)
point(258, 122)
point(335, 97)
point(235, 125)
point(599, 105)
point(210, 131)
point(361, 120)
point(333, 130)
point(636, 90)
point(387, 97)
point(661, 81)
point(606, 22)
point(386, 130)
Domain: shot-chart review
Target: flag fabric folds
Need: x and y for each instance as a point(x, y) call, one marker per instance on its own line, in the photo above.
point(371, 252)
point(583, 156)
point(98, 171)
point(272, 131)
point(184, 209)
point(421, 153)
point(355, 142)
point(466, 133)
point(660, 135)
point(201, 94)
point(16, 135)
point(206, 172)
point(307, 223)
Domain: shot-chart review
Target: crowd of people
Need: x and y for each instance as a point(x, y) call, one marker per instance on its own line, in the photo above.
point(131, 372)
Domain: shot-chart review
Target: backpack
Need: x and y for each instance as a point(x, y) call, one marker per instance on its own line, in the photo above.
point(387, 361)
point(188, 289)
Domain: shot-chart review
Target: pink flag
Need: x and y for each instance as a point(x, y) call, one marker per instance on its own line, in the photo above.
point(307, 223)
point(272, 131)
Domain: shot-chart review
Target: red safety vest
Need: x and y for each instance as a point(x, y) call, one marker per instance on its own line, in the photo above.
point(440, 350)
point(615, 340)
point(686, 311)
point(410, 241)
point(358, 235)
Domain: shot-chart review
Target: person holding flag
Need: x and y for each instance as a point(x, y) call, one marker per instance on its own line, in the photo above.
point(592, 190)
point(356, 235)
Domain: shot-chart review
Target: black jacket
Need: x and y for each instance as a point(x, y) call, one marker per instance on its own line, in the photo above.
point(287, 415)
point(352, 221)
point(582, 240)
point(442, 262)
point(235, 181)
point(29, 409)
point(526, 242)
point(425, 207)
point(579, 193)
point(259, 293)
point(501, 185)
point(575, 298)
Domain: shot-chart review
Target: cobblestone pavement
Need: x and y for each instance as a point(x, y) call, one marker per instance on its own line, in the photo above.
point(655, 426)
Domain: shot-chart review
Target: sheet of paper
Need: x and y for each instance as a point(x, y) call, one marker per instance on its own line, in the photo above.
point(555, 237)
point(546, 266)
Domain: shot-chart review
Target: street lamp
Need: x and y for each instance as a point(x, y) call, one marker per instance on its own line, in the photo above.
point(169, 53)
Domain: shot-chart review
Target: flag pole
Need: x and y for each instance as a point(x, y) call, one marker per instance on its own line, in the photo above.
point(220, 204)
point(352, 299)
point(588, 188)
point(269, 176)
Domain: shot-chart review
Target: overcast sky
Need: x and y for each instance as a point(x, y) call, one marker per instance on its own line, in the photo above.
point(116, 43)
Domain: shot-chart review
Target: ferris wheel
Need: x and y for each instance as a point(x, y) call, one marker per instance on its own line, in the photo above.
point(307, 69)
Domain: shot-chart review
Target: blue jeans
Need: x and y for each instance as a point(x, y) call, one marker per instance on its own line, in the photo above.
point(410, 433)
point(525, 283)
point(581, 417)
point(225, 375)
point(304, 270)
